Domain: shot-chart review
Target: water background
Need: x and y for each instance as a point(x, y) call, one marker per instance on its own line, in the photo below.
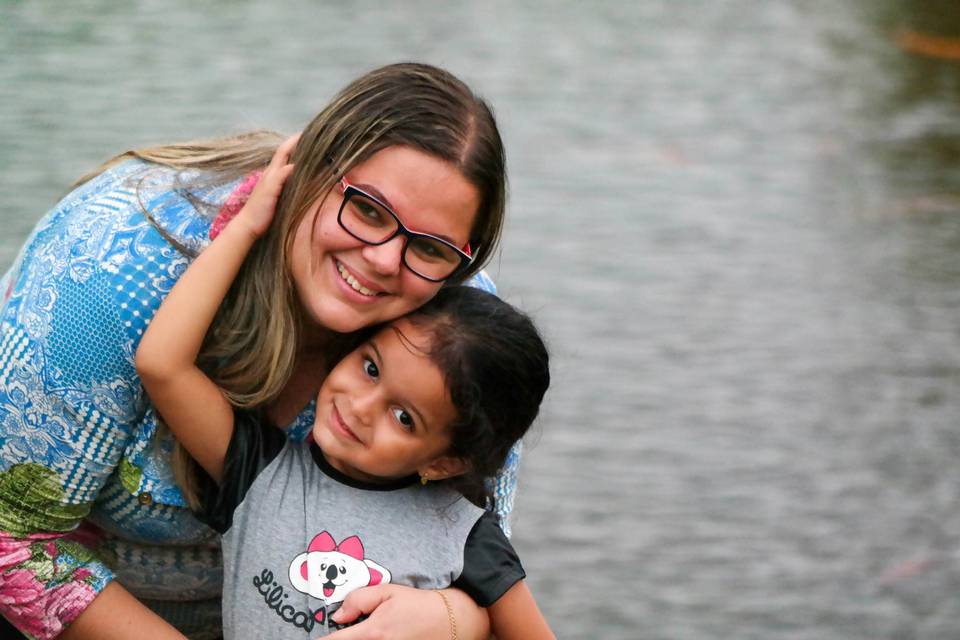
point(737, 222)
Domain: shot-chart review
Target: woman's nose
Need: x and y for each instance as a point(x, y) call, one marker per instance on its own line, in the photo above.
point(386, 257)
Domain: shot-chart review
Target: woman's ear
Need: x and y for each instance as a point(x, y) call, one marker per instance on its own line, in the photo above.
point(442, 468)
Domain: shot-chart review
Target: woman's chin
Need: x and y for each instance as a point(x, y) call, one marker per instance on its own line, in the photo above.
point(330, 312)
point(341, 318)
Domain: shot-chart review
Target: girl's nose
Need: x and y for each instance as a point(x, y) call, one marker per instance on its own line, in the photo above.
point(363, 405)
point(386, 257)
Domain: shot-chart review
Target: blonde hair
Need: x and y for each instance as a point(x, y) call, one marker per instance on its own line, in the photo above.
point(252, 345)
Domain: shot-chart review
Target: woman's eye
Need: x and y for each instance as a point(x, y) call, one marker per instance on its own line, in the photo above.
point(404, 418)
point(369, 213)
point(370, 368)
point(368, 210)
point(429, 251)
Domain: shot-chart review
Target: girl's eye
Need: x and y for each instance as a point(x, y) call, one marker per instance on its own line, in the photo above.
point(404, 418)
point(370, 368)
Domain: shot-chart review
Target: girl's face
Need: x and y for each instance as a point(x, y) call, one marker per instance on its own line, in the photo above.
point(383, 412)
point(344, 284)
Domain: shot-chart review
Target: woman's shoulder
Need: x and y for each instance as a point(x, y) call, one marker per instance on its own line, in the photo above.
point(97, 265)
point(180, 203)
point(125, 198)
point(481, 280)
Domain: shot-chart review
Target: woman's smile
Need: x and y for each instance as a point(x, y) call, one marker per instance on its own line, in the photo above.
point(357, 282)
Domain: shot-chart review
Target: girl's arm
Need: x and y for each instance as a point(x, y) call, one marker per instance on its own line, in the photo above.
point(194, 408)
point(515, 616)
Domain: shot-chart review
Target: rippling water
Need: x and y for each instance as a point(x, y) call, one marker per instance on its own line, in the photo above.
point(737, 222)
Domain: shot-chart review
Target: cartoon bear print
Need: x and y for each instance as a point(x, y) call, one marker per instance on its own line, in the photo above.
point(330, 571)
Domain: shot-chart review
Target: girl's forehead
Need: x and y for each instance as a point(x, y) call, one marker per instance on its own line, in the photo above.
point(408, 372)
point(412, 338)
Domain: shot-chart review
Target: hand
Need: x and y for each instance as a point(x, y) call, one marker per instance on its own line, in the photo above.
point(258, 212)
point(404, 613)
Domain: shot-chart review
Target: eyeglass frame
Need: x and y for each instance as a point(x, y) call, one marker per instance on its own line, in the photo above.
point(348, 190)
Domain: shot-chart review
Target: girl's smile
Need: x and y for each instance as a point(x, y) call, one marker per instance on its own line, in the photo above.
point(340, 427)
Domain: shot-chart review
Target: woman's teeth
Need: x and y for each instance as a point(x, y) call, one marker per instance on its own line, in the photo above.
point(350, 280)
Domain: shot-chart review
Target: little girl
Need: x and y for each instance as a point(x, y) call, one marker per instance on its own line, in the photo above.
point(440, 394)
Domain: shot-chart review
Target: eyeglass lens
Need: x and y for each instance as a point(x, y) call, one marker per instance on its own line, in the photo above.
point(371, 222)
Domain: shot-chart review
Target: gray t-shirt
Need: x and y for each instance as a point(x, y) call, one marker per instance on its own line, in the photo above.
point(298, 536)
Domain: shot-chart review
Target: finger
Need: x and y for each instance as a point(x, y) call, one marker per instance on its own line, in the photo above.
point(279, 178)
point(360, 602)
point(272, 181)
point(282, 155)
point(356, 632)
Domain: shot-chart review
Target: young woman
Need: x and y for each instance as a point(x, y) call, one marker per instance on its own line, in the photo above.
point(78, 439)
point(441, 393)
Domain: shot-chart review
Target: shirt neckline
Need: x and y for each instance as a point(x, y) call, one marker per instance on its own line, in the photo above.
point(338, 476)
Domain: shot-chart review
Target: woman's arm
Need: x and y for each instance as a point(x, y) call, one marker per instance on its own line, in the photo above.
point(515, 616)
point(405, 613)
point(69, 396)
point(117, 615)
point(190, 403)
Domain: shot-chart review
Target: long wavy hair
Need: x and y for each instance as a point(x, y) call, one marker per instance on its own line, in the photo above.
point(252, 345)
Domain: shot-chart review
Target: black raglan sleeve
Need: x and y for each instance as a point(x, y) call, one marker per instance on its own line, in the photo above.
point(490, 564)
point(253, 445)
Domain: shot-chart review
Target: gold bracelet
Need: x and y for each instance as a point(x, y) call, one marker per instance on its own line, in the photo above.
point(453, 621)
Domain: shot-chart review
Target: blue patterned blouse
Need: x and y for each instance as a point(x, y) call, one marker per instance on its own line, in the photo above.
point(78, 438)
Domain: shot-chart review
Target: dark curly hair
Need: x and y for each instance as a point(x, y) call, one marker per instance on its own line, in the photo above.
point(496, 370)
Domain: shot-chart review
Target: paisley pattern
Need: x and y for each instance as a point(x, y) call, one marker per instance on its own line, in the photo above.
point(79, 444)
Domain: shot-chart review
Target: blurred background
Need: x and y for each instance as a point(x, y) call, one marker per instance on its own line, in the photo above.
point(737, 222)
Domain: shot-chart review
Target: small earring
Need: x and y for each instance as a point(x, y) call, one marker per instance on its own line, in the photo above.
point(424, 480)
